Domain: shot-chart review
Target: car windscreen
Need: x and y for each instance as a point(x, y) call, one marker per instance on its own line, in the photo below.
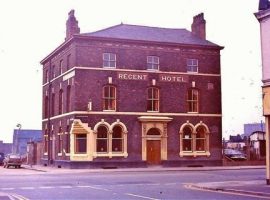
point(15, 156)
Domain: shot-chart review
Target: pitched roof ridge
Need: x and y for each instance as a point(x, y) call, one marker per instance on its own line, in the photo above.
point(134, 25)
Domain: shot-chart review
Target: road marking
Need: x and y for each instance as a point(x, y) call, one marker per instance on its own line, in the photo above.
point(83, 186)
point(143, 197)
point(65, 187)
point(26, 188)
point(232, 192)
point(18, 197)
point(45, 187)
point(7, 188)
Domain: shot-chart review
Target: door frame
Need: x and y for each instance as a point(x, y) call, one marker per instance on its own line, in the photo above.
point(160, 123)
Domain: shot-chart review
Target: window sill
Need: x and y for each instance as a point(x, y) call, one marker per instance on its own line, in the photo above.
point(194, 154)
point(109, 110)
point(152, 111)
point(110, 155)
point(193, 112)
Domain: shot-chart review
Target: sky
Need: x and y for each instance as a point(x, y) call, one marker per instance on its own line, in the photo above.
point(31, 29)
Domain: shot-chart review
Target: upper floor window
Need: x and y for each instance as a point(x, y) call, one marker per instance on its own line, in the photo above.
point(68, 98)
point(46, 107)
point(152, 63)
point(68, 62)
point(60, 102)
point(53, 71)
point(193, 100)
point(152, 99)
point(192, 65)
point(61, 67)
point(109, 97)
point(109, 60)
point(46, 79)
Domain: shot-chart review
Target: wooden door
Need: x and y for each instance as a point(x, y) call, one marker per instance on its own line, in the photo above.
point(153, 152)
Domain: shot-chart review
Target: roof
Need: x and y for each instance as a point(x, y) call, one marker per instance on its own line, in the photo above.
point(151, 34)
point(34, 135)
point(236, 138)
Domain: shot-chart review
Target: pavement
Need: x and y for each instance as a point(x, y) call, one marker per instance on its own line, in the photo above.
point(252, 188)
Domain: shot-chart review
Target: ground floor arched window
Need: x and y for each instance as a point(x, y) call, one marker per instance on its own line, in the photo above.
point(194, 140)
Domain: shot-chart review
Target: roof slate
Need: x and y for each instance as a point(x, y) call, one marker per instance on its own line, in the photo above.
point(153, 34)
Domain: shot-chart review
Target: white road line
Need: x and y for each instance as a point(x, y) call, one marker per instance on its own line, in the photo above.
point(83, 186)
point(26, 188)
point(65, 187)
point(45, 187)
point(143, 197)
point(7, 188)
point(19, 197)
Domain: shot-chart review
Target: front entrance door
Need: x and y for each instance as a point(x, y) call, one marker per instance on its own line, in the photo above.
point(153, 152)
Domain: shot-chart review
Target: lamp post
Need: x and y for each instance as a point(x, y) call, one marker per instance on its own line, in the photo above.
point(15, 145)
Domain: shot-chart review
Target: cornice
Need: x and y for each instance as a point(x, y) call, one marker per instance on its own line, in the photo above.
point(262, 15)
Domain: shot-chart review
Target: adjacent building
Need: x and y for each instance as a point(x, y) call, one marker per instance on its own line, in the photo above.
point(257, 145)
point(5, 148)
point(22, 136)
point(263, 16)
point(132, 96)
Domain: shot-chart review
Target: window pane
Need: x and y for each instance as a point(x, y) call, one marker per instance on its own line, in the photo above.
point(102, 139)
point(200, 144)
point(117, 145)
point(187, 145)
point(102, 145)
point(80, 143)
point(187, 139)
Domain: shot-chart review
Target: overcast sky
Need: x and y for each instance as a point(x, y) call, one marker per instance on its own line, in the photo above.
point(31, 29)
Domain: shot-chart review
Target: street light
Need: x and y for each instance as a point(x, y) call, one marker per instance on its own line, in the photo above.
point(15, 145)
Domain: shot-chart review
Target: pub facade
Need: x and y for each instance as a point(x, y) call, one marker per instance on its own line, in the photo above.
point(132, 96)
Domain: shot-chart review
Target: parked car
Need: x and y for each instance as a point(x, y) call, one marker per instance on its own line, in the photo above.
point(2, 156)
point(235, 154)
point(12, 160)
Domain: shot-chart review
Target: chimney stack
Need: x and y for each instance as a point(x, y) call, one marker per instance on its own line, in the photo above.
point(198, 26)
point(264, 4)
point(71, 25)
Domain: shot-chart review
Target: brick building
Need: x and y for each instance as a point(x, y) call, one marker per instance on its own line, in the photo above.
point(130, 96)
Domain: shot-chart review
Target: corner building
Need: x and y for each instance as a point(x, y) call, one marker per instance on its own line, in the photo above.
point(132, 96)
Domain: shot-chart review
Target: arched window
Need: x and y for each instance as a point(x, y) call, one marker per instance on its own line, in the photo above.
point(193, 100)
point(102, 139)
point(187, 139)
point(153, 131)
point(200, 138)
point(68, 99)
point(117, 139)
point(194, 140)
point(152, 99)
point(60, 102)
point(109, 97)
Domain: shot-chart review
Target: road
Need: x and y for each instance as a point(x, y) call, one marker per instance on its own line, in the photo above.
point(142, 185)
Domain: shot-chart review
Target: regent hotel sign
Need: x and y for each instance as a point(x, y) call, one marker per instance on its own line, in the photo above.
point(144, 77)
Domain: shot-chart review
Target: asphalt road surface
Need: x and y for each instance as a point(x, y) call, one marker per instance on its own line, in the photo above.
point(152, 185)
